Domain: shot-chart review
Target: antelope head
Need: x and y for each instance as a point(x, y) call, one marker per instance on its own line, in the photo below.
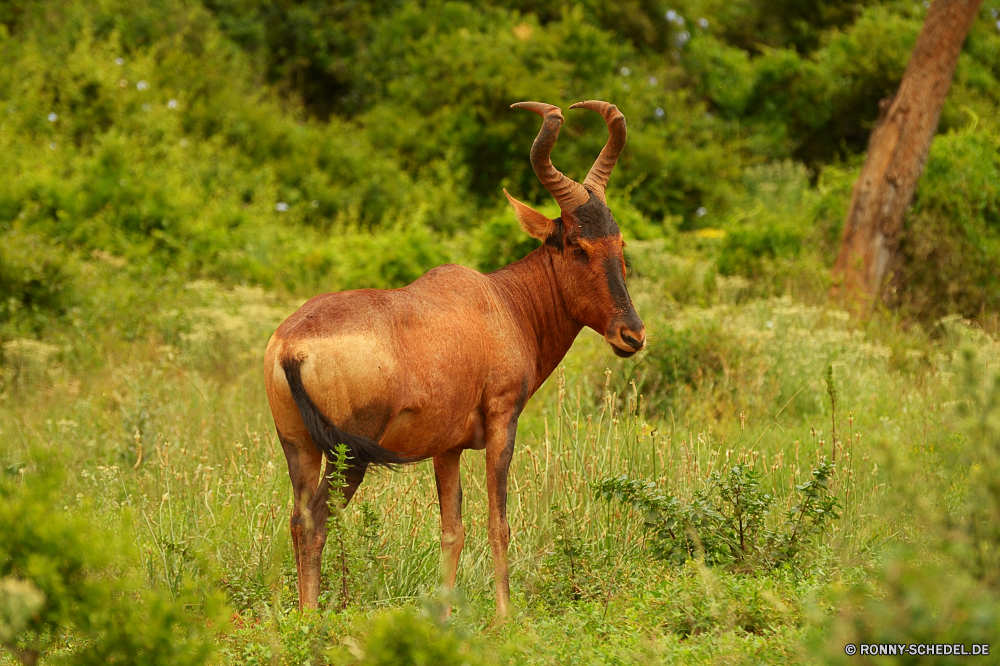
point(584, 242)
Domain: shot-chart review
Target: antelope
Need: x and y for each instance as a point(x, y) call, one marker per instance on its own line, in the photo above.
point(447, 363)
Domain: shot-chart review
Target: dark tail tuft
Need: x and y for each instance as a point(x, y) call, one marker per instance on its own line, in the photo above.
point(327, 435)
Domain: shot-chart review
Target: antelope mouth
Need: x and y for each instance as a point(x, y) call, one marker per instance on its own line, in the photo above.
point(626, 344)
point(623, 353)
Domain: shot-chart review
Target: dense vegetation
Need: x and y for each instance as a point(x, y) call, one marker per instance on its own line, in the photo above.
point(770, 481)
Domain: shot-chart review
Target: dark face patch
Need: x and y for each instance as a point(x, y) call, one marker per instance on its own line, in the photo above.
point(616, 284)
point(595, 220)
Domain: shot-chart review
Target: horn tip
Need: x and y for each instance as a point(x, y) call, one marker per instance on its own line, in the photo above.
point(541, 108)
point(596, 105)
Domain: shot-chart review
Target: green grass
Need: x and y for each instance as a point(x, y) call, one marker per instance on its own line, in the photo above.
point(176, 440)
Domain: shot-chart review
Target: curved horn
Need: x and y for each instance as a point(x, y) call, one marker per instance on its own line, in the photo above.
point(597, 180)
point(567, 192)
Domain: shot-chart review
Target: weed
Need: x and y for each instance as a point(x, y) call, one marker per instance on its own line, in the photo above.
point(726, 522)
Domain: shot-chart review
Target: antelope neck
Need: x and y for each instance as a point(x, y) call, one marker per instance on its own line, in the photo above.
point(535, 301)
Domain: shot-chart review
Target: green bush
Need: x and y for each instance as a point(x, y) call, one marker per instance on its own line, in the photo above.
point(745, 251)
point(727, 521)
point(36, 281)
point(404, 637)
point(689, 357)
point(700, 600)
point(60, 580)
point(149, 135)
point(951, 248)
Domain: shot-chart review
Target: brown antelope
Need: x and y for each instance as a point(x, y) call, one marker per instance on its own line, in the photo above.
point(447, 363)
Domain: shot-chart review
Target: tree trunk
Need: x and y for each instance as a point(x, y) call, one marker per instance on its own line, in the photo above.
point(897, 152)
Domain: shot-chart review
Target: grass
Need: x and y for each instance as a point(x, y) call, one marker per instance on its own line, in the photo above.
point(172, 442)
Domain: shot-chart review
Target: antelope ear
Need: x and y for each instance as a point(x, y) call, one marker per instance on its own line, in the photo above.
point(534, 223)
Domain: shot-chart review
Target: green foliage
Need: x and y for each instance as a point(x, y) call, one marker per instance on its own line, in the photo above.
point(306, 48)
point(951, 250)
point(382, 147)
point(567, 570)
point(500, 241)
point(35, 281)
point(699, 600)
point(404, 637)
point(825, 105)
point(746, 250)
point(979, 518)
point(726, 522)
point(58, 575)
point(689, 357)
point(798, 25)
point(772, 237)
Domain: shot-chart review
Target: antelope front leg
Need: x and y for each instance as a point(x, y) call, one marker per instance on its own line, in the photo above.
point(499, 451)
point(447, 474)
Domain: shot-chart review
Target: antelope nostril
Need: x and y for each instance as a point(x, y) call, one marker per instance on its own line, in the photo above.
point(631, 341)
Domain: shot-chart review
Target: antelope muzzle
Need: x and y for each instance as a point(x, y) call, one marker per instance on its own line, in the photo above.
point(626, 335)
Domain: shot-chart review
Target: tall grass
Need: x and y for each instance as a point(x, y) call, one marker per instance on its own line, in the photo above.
point(176, 439)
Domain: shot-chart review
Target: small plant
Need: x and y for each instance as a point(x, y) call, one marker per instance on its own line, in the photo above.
point(405, 637)
point(570, 568)
point(355, 547)
point(370, 532)
point(568, 550)
point(336, 525)
point(727, 521)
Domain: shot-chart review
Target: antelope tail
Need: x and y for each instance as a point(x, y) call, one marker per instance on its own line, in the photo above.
point(326, 435)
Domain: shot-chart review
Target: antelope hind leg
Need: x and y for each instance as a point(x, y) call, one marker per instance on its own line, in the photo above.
point(305, 464)
point(318, 509)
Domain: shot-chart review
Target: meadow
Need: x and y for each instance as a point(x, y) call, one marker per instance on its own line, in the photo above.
point(771, 480)
point(169, 450)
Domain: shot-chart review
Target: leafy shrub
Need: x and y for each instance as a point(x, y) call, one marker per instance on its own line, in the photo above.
point(36, 280)
point(726, 522)
point(691, 356)
point(950, 252)
point(772, 237)
point(721, 73)
point(498, 240)
point(699, 600)
point(791, 24)
point(745, 251)
point(390, 260)
point(568, 570)
point(58, 575)
point(404, 637)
